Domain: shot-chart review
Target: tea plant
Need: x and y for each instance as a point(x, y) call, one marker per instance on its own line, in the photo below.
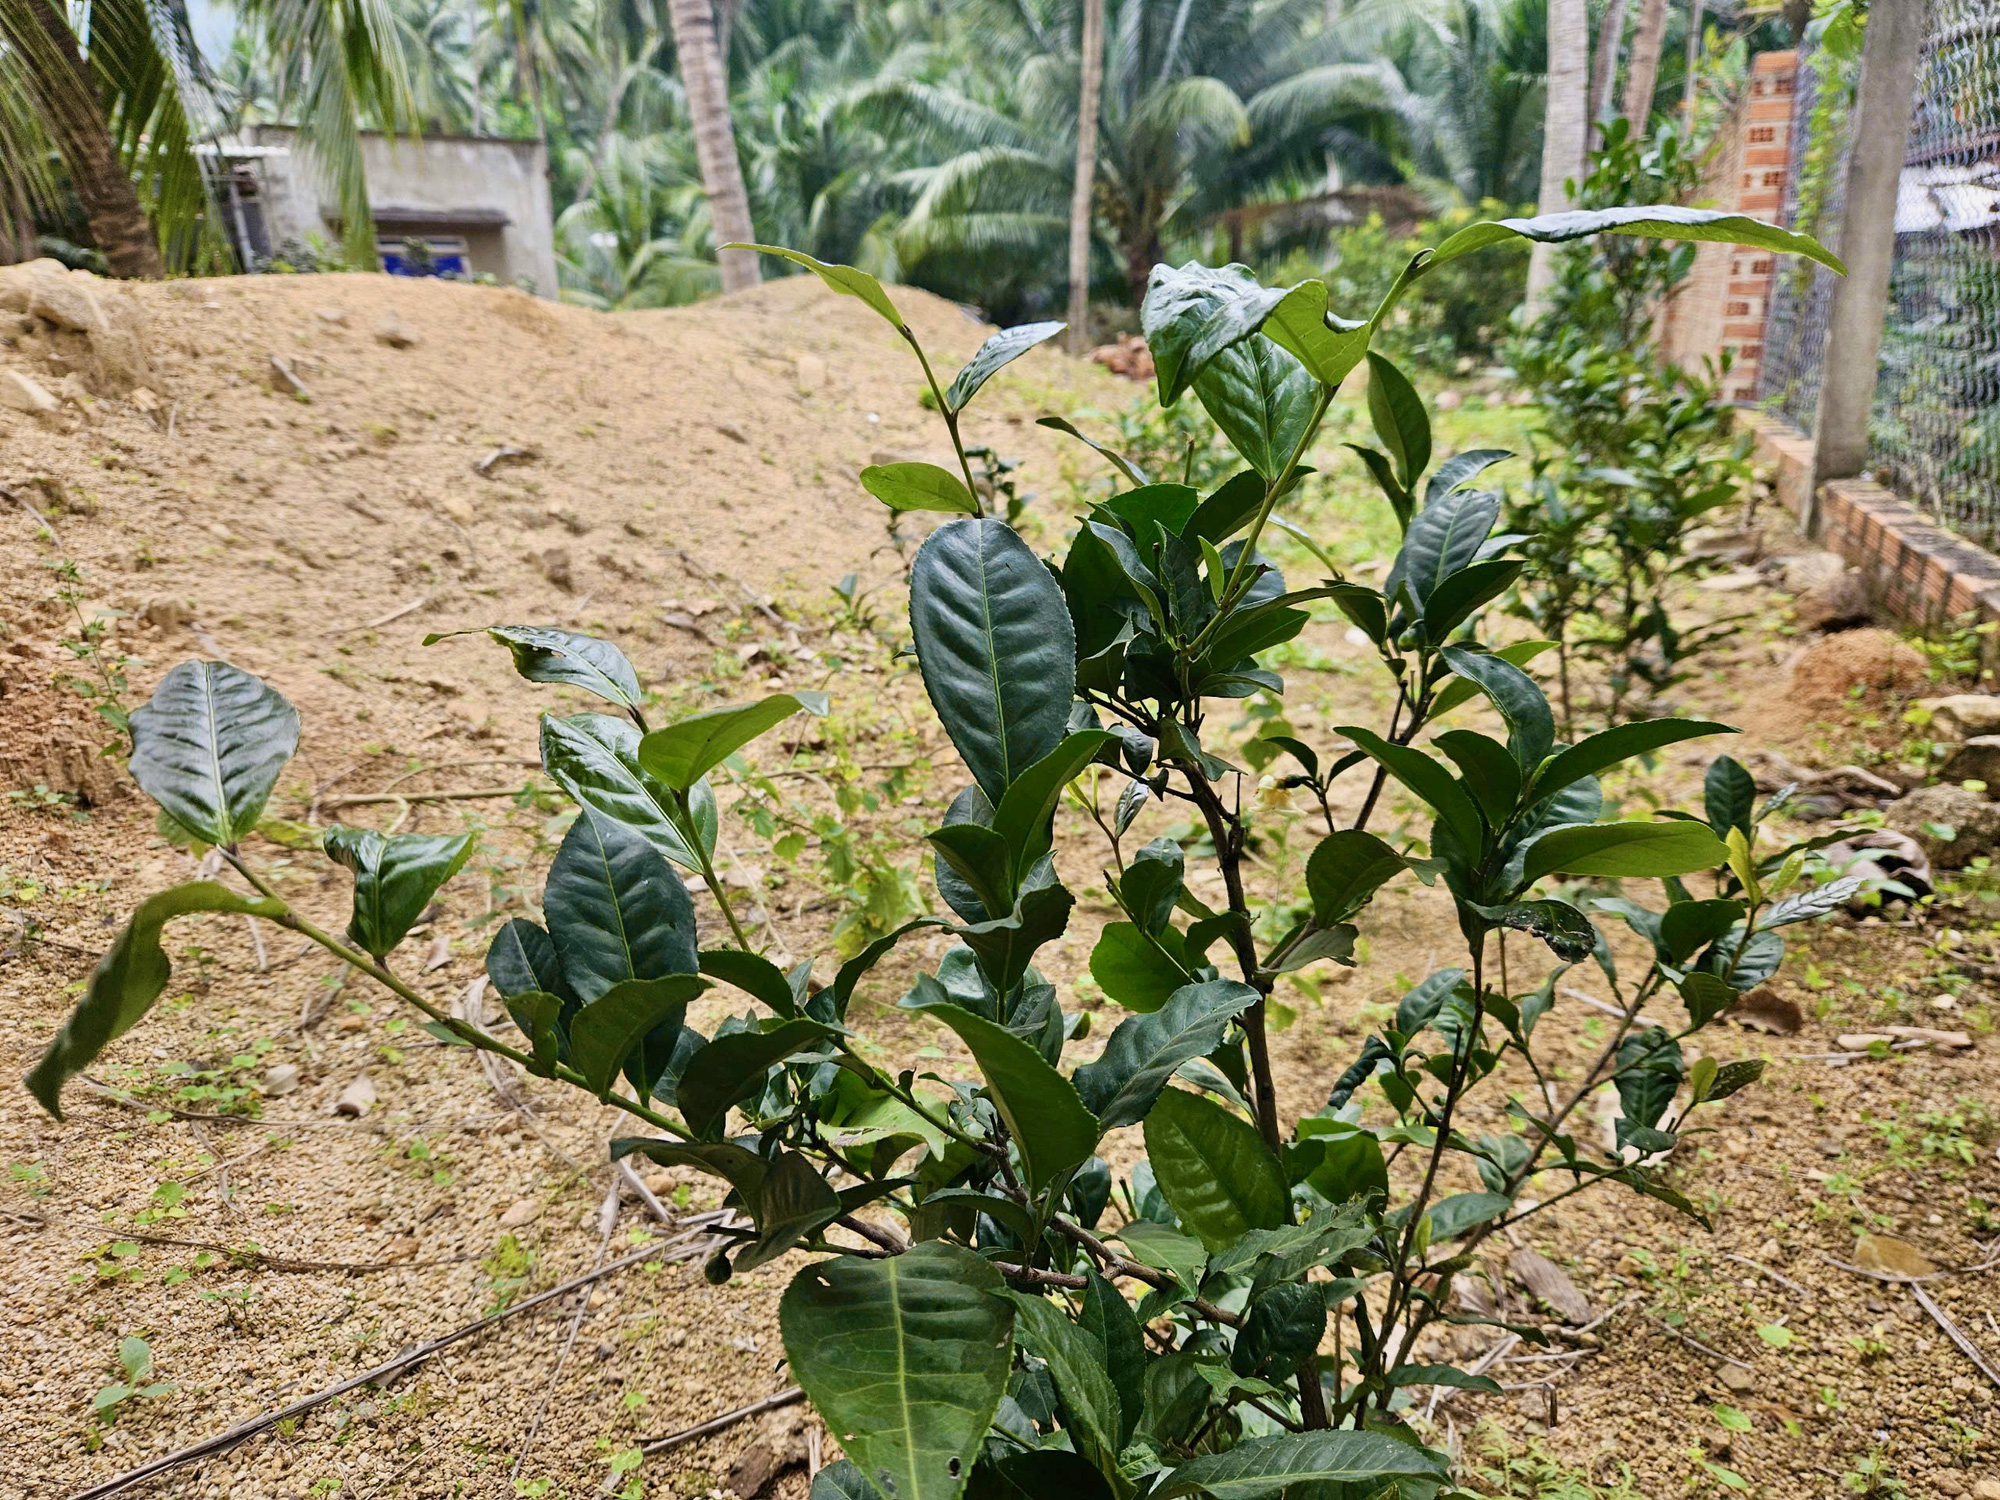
point(1632, 451)
point(962, 1322)
point(135, 1360)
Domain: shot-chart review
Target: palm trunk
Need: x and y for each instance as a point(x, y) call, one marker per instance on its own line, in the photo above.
point(1644, 72)
point(1080, 198)
point(693, 23)
point(76, 123)
point(1690, 84)
point(1562, 131)
point(1604, 65)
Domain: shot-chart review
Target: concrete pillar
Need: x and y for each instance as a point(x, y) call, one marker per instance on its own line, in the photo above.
point(1878, 139)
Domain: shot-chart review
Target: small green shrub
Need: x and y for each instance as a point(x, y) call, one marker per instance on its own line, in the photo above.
point(972, 1330)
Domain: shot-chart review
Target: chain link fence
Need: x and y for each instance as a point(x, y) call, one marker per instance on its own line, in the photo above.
point(1935, 435)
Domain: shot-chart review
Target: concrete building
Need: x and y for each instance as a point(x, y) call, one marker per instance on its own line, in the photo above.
point(478, 205)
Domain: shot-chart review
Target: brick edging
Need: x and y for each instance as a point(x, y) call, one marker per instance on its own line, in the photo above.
point(1916, 570)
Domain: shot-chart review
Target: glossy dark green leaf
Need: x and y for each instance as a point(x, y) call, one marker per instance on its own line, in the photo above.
point(753, 974)
point(1265, 1468)
point(794, 1202)
point(1302, 324)
point(1003, 348)
point(1460, 690)
point(208, 747)
point(733, 1068)
point(1143, 1052)
point(905, 1359)
point(1191, 313)
point(1624, 849)
point(1117, 460)
point(1566, 930)
point(1666, 221)
point(1023, 816)
point(996, 648)
point(604, 1032)
point(1431, 782)
point(1262, 398)
point(1076, 1361)
point(1382, 469)
point(1052, 1129)
point(595, 758)
point(1400, 421)
point(1729, 795)
point(1731, 1077)
point(1687, 927)
point(843, 279)
point(615, 908)
point(840, 1480)
point(1151, 883)
point(1745, 965)
point(1450, 1217)
point(743, 1169)
point(1453, 601)
point(1280, 1328)
point(919, 486)
point(681, 754)
point(1344, 1165)
point(1171, 505)
point(127, 980)
point(1220, 1177)
point(1107, 1318)
point(1364, 607)
point(1229, 509)
point(1649, 1074)
point(1460, 468)
point(1707, 996)
point(395, 876)
point(1531, 725)
point(1347, 867)
point(543, 653)
point(1137, 969)
point(1164, 1249)
point(1489, 772)
point(1444, 1375)
point(522, 958)
point(1005, 946)
point(1444, 537)
point(1811, 905)
point(1601, 751)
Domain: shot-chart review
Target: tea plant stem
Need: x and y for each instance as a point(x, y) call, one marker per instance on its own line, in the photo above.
point(708, 875)
point(950, 416)
point(463, 1030)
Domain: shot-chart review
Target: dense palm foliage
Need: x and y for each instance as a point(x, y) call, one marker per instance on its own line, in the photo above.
point(935, 144)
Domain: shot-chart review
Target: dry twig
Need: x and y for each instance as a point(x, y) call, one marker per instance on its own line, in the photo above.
point(790, 1396)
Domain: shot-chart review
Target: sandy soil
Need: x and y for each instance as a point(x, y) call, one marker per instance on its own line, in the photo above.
point(687, 486)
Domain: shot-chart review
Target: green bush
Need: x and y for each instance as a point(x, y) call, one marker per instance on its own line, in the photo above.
point(972, 1332)
point(1458, 313)
point(1630, 452)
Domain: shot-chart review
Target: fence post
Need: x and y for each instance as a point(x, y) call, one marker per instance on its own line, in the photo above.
point(1878, 140)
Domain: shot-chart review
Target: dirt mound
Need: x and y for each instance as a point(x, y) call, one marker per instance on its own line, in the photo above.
point(1878, 664)
point(298, 494)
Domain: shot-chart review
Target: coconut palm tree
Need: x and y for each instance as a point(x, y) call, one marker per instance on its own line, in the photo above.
point(120, 93)
point(1084, 192)
point(1564, 131)
point(700, 62)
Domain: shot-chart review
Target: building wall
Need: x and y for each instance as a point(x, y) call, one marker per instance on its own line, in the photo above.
point(1720, 307)
point(434, 177)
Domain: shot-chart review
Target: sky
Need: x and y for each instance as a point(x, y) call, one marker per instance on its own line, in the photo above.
point(214, 23)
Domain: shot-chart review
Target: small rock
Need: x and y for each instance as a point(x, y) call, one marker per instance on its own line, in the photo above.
point(333, 317)
point(281, 1079)
point(556, 567)
point(1806, 570)
point(351, 1022)
point(1738, 1379)
point(1765, 1010)
point(731, 431)
point(753, 1472)
point(1550, 1285)
point(1841, 601)
point(809, 370)
point(285, 380)
point(17, 283)
point(1733, 582)
point(1769, 1251)
point(1978, 759)
point(165, 614)
point(394, 332)
point(403, 1247)
point(1892, 1257)
point(1986, 1489)
point(525, 1212)
point(1447, 400)
point(1963, 716)
point(357, 1098)
point(1954, 826)
point(25, 393)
